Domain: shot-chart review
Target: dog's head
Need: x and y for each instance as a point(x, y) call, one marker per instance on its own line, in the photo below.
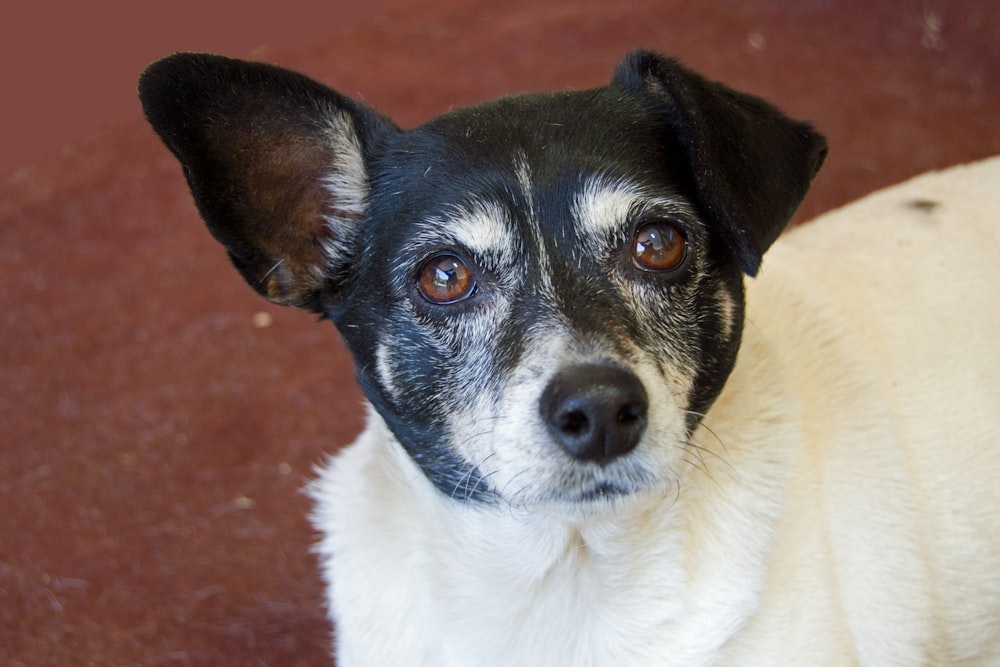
point(543, 294)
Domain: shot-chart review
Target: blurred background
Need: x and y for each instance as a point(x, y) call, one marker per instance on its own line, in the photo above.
point(69, 69)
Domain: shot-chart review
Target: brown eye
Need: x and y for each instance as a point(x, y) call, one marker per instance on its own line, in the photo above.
point(659, 246)
point(445, 279)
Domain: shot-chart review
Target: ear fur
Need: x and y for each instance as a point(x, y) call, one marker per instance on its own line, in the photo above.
point(750, 164)
point(276, 162)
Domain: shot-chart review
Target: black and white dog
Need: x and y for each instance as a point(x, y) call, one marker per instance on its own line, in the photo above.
point(565, 463)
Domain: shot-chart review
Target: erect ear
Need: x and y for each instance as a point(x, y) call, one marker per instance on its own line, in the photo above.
point(277, 165)
point(750, 165)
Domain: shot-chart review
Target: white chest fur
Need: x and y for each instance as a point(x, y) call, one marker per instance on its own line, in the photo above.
point(462, 585)
point(848, 510)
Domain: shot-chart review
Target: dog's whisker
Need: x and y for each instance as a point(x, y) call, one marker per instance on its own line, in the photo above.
point(273, 268)
point(702, 416)
point(469, 473)
point(702, 450)
point(463, 481)
point(475, 469)
point(481, 481)
point(702, 468)
point(481, 478)
point(698, 452)
point(512, 497)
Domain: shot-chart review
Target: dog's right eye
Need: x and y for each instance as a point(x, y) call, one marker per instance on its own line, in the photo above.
point(445, 279)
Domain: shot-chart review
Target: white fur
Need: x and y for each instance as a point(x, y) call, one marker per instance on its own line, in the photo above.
point(845, 509)
point(346, 187)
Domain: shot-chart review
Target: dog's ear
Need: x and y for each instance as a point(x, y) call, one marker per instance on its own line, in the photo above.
point(750, 165)
point(277, 165)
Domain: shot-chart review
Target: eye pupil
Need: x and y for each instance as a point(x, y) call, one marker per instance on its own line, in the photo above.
point(445, 279)
point(659, 246)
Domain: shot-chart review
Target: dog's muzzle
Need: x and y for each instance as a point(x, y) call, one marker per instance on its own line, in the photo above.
point(595, 412)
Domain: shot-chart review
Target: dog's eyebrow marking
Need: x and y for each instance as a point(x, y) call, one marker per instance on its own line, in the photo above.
point(523, 172)
point(486, 230)
point(605, 206)
point(482, 227)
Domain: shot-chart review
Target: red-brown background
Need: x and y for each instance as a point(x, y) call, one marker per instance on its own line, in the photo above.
point(153, 441)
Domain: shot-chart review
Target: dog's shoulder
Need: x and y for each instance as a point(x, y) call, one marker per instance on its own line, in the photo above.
point(906, 276)
point(878, 322)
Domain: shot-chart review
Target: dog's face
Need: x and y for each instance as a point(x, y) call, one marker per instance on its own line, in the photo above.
point(531, 245)
point(543, 294)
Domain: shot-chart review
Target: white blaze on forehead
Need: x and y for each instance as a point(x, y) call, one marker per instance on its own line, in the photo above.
point(525, 182)
point(527, 187)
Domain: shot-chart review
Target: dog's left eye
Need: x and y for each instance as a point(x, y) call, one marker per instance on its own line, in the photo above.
point(445, 279)
point(659, 246)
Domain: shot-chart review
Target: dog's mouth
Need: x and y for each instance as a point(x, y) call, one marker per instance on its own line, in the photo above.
point(593, 500)
point(602, 492)
point(582, 490)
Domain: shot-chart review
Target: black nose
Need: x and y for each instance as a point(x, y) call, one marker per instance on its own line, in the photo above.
point(595, 412)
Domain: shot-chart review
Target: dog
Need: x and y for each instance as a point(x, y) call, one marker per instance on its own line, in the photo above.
point(588, 443)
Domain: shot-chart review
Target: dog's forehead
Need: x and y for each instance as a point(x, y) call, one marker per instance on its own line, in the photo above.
point(498, 163)
point(553, 133)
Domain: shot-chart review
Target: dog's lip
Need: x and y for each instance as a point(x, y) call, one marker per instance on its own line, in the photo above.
point(622, 479)
point(602, 491)
point(593, 494)
point(593, 485)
